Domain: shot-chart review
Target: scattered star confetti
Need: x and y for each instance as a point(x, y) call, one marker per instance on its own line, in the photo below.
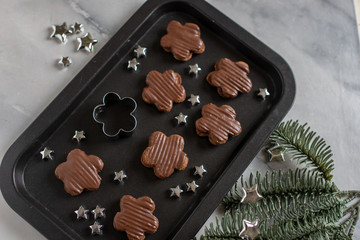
point(132, 64)
point(65, 61)
point(96, 228)
point(263, 92)
point(181, 119)
point(250, 229)
point(140, 51)
point(46, 153)
point(194, 99)
point(86, 42)
point(200, 170)
point(98, 212)
point(277, 152)
point(192, 186)
point(81, 213)
point(176, 191)
point(77, 28)
point(250, 194)
point(60, 32)
point(194, 69)
point(120, 176)
point(79, 135)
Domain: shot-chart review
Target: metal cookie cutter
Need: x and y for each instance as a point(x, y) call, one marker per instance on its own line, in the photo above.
point(116, 115)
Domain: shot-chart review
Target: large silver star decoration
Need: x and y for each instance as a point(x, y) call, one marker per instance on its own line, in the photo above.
point(60, 32)
point(81, 213)
point(86, 42)
point(263, 92)
point(250, 194)
point(181, 118)
point(192, 186)
point(194, 99)
point(140, 51)
point(277, 152)
point(200, 170)
point(65, 61)
point(250, 229)
point(47, 154)
point(79, 135)
point(176, 191)
point(96, 228)
point(77, 28)
point(120, 176)
point(194, 69)
point(98, 212)
point(132, 64)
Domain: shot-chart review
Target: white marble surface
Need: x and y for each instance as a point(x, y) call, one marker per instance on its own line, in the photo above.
point(317, 38)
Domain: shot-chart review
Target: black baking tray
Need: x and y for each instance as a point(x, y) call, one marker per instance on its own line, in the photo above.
point(30, 187)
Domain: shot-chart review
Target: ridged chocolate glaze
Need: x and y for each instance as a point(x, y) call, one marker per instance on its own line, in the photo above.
point(79, 172)
point(182, 40)
point(163, 89)
point(230, 78)
point(136, 217)
point(165, 154)
point(218, 123)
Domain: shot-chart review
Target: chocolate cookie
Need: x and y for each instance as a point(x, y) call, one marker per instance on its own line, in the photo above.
point(165, 154)
point(136, 217)
point(230, 78)
point(163, 89)
point(79, 172)
point(182, 40)
point(217, 123)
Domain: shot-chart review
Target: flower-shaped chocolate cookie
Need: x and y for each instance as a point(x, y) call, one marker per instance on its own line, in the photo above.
point(182, 40)
point(136, 217)
point(116, 115)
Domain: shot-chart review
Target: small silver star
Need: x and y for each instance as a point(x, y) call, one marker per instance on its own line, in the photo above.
point(86, 42)
point(96, 228)
point(194, 69)
point(192, 186)
point(65, 61)
point(98, 212)
point(194, 99)
point(140, 51)
point(60, 32)
point(181, 119)
point(277, 152)
point(79, 135)
point(176, 191)
point(46, 153)
point(81, 213)
point(77, 28)
point(200, 170)
point(250, 194)
point(132, 64)
point(250, 229)
point(120, 176)
point(263, 92)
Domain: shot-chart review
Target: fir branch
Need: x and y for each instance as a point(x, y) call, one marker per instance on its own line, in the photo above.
point(304, 146)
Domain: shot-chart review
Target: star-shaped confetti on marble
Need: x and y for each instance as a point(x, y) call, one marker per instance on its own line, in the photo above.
point(77, 28)
point(65, 61)
point(98, 212)
point(277, 152)
point(47, 154)
point(96, 228)
point(200, 170)
point(140, 51)
point(250, 194)
point(194, 69)
point(250, 229)
point(132, 64)
point(86, 42)
point(263, 92)
point(181, 118)
point(194, 99)
point(176, 191)
point(192, 186)
point(120, 176)
point(60, 32)
point(81, 213)
point(79, 135)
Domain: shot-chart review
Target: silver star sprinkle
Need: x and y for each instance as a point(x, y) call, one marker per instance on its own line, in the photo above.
point(194, 99)
point(77, 28)
point(46, 153)
point(200, 170)
point(192, 186)
point(65, 61)
point(86, 42)
point(120, 176)
point(250, 194)
point(181, 119)
point(132, 64)
point(194, 69)
point(60, 32)
point(140, 51)
point(96, 228)
point(250, 229)
point(98, 212)
point(81, 213)
point(176, 191)
point(277, 152)
point(263, 92)
point(79, 135)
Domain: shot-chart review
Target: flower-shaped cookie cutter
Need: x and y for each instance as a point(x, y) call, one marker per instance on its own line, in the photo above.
point(116, 115)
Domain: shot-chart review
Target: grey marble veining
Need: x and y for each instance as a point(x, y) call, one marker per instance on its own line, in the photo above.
point(317, 38)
